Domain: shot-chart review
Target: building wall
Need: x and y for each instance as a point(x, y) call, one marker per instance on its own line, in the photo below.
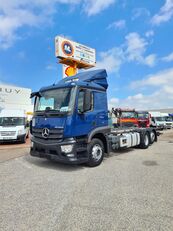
point(12, 97)
point(167, 110)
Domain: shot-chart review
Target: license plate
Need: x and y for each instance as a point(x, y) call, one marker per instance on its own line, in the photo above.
point(7, 138)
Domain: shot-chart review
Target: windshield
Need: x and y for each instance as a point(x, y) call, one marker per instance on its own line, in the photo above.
point(129, 114)
point(12, 121)
point(168, 119)
point(160, 119)
point(143, 115)
point(58, 100)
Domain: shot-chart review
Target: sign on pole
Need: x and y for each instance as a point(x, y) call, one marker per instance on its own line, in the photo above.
point(68, 71)
point(74, 54)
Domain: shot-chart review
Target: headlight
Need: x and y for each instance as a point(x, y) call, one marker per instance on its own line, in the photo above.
point(20, 132)
point(67, 148)
point(33, 122)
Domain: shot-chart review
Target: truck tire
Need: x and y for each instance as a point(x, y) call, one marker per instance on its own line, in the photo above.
point(23, 140)
point(96, 152)
point(152, 137)
point(145, 141)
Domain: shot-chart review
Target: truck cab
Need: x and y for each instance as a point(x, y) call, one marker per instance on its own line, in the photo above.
point(157, 120)
point(125, 117)
point(67, 115)
point(13, 125)
point(144, 119)
point(168, 120)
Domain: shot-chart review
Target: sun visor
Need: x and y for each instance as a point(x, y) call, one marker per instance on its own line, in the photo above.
point(97, 76)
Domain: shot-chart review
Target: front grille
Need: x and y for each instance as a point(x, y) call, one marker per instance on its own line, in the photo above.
point(128, 124)
point(55, 134)
point(8, 133)
point(142, 124)
point(46, 151)
point(169, 124)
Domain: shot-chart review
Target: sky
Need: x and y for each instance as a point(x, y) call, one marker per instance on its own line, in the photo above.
point(133, 40)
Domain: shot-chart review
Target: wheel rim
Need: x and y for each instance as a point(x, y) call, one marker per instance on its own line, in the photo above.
point(146, 141)
point(152, 136)
point(97, 152)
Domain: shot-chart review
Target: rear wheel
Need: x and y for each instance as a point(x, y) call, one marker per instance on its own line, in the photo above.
point(96, 152)
point(152, 137)
point(145, 141)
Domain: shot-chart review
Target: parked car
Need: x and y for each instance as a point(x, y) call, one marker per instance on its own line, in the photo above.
point(13, 125)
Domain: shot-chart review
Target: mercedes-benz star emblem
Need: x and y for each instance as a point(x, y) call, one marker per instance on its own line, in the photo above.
point(45, 133)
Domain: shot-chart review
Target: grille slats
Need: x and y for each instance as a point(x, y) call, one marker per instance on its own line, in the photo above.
point(8, 133)
point(142, 124)
point(54, 134)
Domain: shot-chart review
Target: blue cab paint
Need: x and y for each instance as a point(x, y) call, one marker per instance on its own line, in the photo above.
point(77, 124)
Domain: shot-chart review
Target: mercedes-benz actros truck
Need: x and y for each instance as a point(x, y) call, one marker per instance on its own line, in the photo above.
point(70, 122)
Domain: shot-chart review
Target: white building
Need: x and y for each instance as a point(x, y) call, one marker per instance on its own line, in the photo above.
point(166, 110)
point(12, 97)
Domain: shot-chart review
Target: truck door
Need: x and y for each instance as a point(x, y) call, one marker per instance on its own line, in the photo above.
point(85, 120)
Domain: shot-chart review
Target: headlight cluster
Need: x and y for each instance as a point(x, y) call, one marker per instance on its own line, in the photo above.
point(67, 148)
point(20, 132)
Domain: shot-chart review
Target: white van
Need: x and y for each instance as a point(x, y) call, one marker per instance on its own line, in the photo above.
point(168, 119)
point(157, 120)
point(13, 125)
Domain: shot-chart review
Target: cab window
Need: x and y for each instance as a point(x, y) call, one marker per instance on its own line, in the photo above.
point(81, 101)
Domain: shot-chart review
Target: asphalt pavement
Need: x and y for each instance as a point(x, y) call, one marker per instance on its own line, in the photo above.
point(130, 190)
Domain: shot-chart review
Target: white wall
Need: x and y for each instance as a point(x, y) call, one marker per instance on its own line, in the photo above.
point(12, 97)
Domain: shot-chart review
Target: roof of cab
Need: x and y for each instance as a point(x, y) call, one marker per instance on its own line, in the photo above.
point(95, 79)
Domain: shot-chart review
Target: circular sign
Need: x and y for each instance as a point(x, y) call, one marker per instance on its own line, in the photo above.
point(70, 71)
point(67, 48)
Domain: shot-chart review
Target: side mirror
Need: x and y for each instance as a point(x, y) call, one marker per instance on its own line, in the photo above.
point(30, 126)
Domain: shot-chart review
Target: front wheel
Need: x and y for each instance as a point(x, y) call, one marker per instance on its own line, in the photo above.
point(96, 152)
point(23, 139)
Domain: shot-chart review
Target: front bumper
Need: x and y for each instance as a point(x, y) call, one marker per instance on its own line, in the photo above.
point(53, 151)
point(11, 138)
point(168, 126)
point(160, 127)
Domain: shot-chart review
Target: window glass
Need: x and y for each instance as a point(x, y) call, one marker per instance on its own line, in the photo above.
point(129, 114)
point(80, 100)
point(12, 121)
point(56, 100)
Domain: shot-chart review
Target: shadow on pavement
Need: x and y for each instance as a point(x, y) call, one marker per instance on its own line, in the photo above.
point(44, 163)
point(14, 144)
point(120, 152)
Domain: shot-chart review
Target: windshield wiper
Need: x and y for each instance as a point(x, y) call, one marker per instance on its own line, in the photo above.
point(54, 112)
point(50, 112)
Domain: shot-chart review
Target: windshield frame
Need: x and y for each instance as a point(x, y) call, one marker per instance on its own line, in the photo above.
point(53, 112)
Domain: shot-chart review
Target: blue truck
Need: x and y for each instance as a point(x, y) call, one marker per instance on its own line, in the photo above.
point(71, 123)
